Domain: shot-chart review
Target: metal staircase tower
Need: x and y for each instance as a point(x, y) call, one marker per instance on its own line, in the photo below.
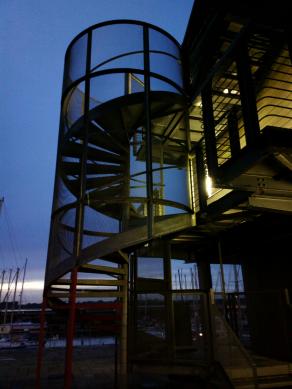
point(118, 162)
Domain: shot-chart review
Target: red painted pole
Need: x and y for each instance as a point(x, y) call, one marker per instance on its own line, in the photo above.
point(41, 345)
point(70, 331)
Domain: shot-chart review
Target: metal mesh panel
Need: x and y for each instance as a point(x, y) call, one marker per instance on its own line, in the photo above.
point(102, 169)
point(97, 226)
point(117, 52)
point(76, 61)
point(107, 87)
point(61, 244)
point(74, 105)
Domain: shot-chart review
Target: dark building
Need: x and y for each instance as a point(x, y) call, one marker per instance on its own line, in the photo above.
point(172, 158)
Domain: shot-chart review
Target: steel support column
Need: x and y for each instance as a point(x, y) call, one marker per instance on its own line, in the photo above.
point(123, 363)
point(170, 334)
point(247, 94)
point(41, 345)
point(149, 177)
point(70, 331)
point(209, 130)
point(78, 226)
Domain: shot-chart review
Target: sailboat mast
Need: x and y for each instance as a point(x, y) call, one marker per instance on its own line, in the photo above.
point(14, 295)
point(2, 282)
point(7, 295)
point(22, 285)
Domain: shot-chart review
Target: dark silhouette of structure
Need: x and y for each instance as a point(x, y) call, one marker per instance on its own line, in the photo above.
point(178, 153)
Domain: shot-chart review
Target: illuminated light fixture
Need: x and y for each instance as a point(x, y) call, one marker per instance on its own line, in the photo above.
point(198, 103)
point(209, 186)
point(234, 92)
point(226, 91)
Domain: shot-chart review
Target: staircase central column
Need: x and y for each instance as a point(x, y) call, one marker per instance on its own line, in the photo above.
point(148, 133)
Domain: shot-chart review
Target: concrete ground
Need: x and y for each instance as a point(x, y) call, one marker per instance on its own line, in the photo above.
point(93, 367)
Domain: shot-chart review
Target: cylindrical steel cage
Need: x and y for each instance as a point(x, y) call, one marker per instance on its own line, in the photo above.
point(119, 166)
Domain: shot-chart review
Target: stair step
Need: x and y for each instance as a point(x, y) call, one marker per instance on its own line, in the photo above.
point(113, 307)
point(87, 294)
point(73, 168)
point(90, 268)
point(92, 183)
point(93, 282)
point(106, 193)
point(75, 150)
point(102, 139)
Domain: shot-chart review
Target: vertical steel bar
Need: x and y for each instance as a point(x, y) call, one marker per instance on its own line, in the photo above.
point(148, 132)
point(70, 331)
point(189, 162)
point(78, 226)
point(209, 130)
point(247, 94)
point(221, 269)
point(209, 301)
point(123, 366)
point(170, 334)
point(116, 363)
point(41, 345)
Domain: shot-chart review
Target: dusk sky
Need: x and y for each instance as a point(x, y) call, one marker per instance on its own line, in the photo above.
point(34, 35)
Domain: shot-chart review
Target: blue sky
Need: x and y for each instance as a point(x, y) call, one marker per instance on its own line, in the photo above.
point(34, 35)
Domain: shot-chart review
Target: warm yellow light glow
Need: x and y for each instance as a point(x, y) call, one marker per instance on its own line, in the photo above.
point(209, 186)
point(226, 91)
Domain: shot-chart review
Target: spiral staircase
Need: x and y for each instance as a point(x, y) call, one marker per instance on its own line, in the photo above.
point(109, 193)
point(111, 127)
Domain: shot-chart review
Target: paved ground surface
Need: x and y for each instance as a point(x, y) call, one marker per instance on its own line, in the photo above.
point(93, 367)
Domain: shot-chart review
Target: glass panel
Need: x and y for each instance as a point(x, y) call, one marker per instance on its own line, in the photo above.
point(151, 326)
point(166, 66)
point(191, 333)
point(161, 42)
point(228, 349)
point(136, 83)
point(149, 267)
point(98, 225)
point(106, 87)
point(76, 66)
point(184, 275)
point(158, 85)
point(74, 104)
point(169, 175)
point(62, 238)
point(232, 277)
point(138, 179)
point(107, 44)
